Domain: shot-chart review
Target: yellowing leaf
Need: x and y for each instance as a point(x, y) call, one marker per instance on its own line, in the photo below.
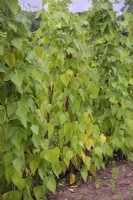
point(69, 73)
point(89, 143)
point(86, 117)
point(60, 184)
point(102, 138)
point(93, 170)
point(89, 129)
point(87, 161)
point(10, 59)
point(27, 172)
point(72, 178)
point(67, 162)
point(66, 77)
point(82, 155)
point(71, 190)
point(131, 81)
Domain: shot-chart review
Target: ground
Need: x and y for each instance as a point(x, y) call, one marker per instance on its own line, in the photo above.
point(113, 183)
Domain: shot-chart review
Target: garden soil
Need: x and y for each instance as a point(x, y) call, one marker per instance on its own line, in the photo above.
point(113, 183)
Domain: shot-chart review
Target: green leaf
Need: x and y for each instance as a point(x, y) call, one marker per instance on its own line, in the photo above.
point(39, 192)
point(94, 75)
point(4, 93)
point(13, 5)
point(9, 172)
point(66, 17)
point(87, 161)
point(42, 169)
point(10, 59)
point(129, 123)
point(13, 26)
point(18, 43)
point(34, 163)
point(82, 94)
point(51, 155)
point(98, 151)
point(38, 13)
point(65, 78)
point(131, 81)
point(17, 78)
point(31, 56)
point(51, 184)
point(18, 164)
point(2, 115)
point(26, 193)
point(56, 168)
point(77, 44)
point(81, 127)
point(36, 141)
point(112, 15)
point(107, 150)
point(21, 112)
point(1, 49)
point(50, 130)
point(38, 51)
point(11, 195)
point(11, 108)
point(93, 90)
point(38, 75)
point(84, 173)
point(69, 155)
point(63, 118)
point(2, 67)
point(8, 74)
point(17, 134)
point(105, 6)
point(35, 129)
point(75, 84)
point(67, 132)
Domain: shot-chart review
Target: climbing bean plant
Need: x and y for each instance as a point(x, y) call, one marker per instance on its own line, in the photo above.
point(21, 122)
point(66, 94)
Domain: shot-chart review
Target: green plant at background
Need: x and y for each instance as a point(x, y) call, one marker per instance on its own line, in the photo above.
point(70, 111)
point(111, 63)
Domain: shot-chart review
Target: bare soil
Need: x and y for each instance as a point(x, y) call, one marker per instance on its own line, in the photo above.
point(113, 183)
